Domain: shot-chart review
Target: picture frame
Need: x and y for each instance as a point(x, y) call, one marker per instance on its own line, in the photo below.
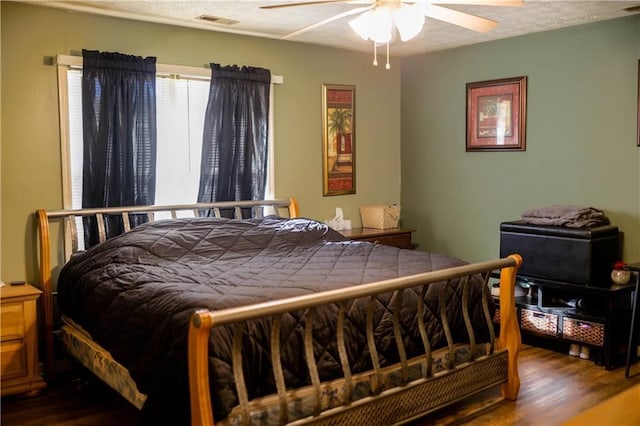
point(497, 115)
point(338, 139)
point(638, 110)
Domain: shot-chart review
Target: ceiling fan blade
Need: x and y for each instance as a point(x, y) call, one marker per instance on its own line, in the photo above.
point(461, 19)
point(326, 21)
point(306, 3)
point(514, 3)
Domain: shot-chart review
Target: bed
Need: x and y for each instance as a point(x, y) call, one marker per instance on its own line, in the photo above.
point(245, 313)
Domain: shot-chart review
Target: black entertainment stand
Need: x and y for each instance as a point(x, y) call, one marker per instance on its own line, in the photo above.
point(571, 298)
point(557, 314)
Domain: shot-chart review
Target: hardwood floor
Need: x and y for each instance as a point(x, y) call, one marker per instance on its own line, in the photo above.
point(68, 402)
point(554, 388)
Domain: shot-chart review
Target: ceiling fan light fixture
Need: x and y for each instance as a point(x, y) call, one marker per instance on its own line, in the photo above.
point(378, 24)
point(409, 20)
point(375, 25)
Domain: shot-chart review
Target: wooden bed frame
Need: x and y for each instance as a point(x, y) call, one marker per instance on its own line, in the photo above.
point(412, 398)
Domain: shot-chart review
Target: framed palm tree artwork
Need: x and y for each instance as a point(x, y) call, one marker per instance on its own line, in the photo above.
point(338, 139)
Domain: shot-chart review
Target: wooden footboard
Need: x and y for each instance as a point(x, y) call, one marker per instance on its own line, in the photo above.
point(510, 337)
point(414, 396)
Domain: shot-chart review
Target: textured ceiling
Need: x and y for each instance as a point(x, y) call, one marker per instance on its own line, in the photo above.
point(534, 16)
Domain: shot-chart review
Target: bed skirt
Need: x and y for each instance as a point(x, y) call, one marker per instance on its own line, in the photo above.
point(96, 359)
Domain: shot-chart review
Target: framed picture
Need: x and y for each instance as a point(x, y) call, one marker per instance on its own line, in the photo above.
point(638, 111)
point(497, 114)
point(338, 139)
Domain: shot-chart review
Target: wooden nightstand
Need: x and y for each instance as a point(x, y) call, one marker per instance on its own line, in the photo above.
point(19, 370)
point(397, 237)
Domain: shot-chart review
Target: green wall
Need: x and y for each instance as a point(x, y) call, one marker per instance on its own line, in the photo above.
point(581, 136)
point(30, 167)
point(581, 125)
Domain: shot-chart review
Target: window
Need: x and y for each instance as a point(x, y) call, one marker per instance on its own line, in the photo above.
point(181, 104)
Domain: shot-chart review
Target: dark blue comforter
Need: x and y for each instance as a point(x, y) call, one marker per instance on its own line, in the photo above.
point(136, 292)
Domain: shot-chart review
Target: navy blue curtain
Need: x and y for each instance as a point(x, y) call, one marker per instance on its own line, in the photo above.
point(236, 129)
point(119, 134)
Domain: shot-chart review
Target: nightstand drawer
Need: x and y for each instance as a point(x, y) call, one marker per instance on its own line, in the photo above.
point(19, 367)
point(13, 362)
point(396, 237)
point(398, 240)
point(12, 321)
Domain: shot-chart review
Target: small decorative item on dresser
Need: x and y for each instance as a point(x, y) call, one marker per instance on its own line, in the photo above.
point(620, 274)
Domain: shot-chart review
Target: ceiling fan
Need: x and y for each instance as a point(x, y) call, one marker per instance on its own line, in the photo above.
point(378, 18)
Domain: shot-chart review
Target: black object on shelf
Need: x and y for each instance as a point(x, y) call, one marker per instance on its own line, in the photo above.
point(574, 255)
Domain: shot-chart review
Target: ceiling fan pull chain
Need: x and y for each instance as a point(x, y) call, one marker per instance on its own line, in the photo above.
point(388, 66)
point(375, 55)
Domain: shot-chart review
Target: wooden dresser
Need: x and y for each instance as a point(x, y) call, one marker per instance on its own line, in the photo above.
point(19, 371)
point(397, 237)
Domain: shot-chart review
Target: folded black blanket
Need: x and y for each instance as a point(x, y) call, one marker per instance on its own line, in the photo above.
point(566, 215)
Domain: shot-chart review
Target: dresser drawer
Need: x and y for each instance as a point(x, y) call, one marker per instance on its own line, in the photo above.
point(11, 321)
point(13, 360)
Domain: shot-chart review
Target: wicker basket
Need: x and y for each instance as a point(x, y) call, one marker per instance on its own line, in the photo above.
point(380, 217)
point(583, 331)
point(539, 322)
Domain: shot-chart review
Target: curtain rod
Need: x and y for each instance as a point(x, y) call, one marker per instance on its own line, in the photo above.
point(76, 61)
